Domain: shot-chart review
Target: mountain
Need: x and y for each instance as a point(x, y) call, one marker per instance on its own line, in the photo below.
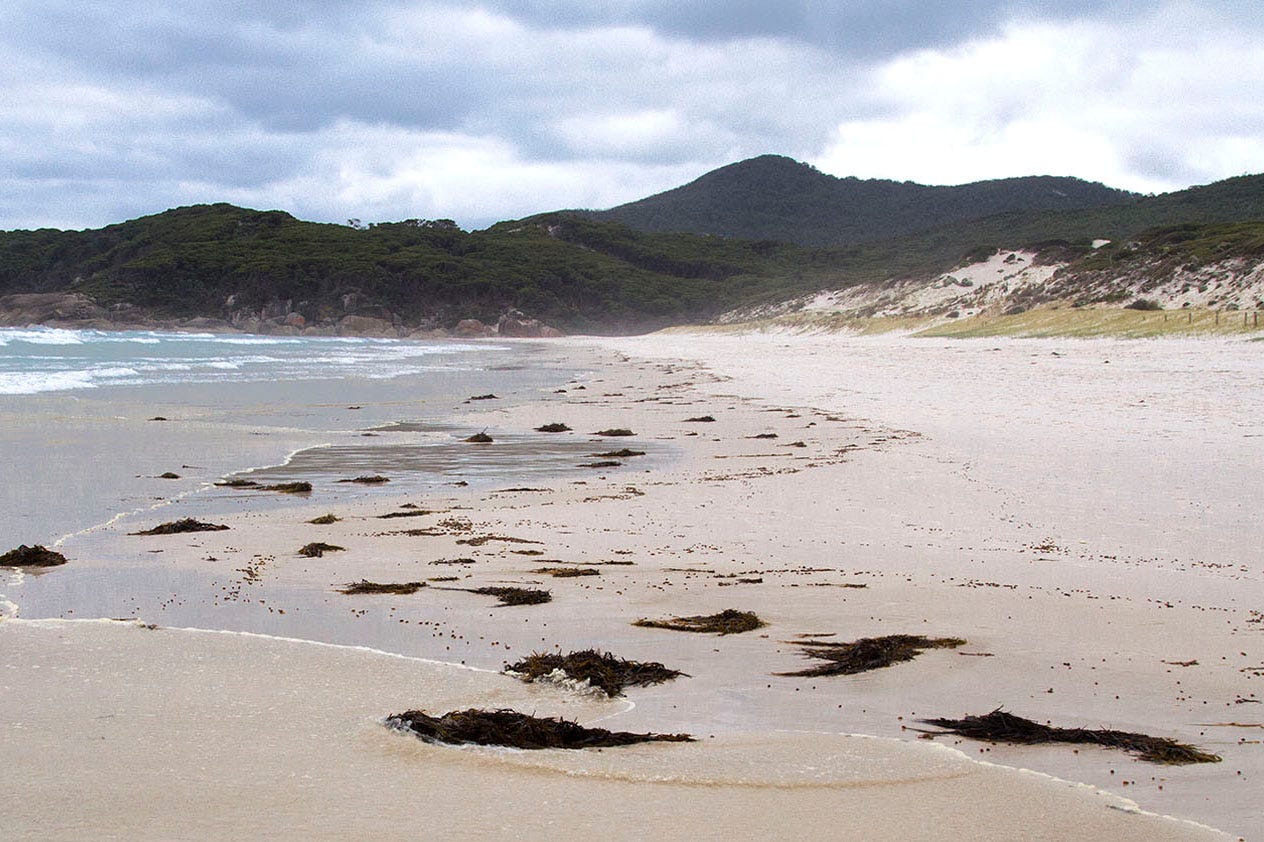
point(776, 198)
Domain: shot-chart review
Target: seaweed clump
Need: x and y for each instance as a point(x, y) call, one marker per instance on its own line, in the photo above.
point(516, 730)
point(289, 487)
point(701, 419)
point(316, 549)
point(625, 453)
point(375, 479)
point(480, 438)
point(177, 527)
point(566, 572)
point(36, 556)
point(1002, 727)
point(600, 669)
point(365, 586)
point(237, 483)
point(615, 431)
point(868, 653)
point(515, 596)
point(553, 428)
point(728, 621)
point(325, 520)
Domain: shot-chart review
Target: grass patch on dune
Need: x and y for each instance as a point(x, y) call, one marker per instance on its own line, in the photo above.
point(1001, 727)
point(1046, 322)
point(867, 653)
point(600, 669)
point(516, 730)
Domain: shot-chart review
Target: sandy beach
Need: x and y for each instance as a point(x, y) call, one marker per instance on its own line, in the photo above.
point(1083, 513)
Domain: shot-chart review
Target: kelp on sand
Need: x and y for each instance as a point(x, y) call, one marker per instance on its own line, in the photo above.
point(1002, 727)
point(867, 653)
point(729, 621)
point(600, 669)
point(516, 730)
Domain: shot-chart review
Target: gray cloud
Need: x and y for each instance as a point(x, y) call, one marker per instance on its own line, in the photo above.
point(400, 108)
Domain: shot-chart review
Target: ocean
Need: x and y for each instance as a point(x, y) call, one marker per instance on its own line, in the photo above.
point(82, 443)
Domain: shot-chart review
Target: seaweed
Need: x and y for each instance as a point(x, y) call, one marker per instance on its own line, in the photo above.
point(867, 653)
point(177, 527)
point(1002, 727)
point(289, 487)
point(480, 438)
point(516, 730)
point(325, 520)
point(453, 561)
point(600, 669)
point(375, 479)
point(168, 475)
point(566, 572)
point(763, 436)
point(409, 513)
point(728, 621)
point(237, 483)
point(618, 454)
point(608, 463)
point(615, 431)
point(487, 397)
point(553, 428)
point(316, 549)
point(515, 596)
point(701, 419)
point(365, 586)
point(36, 556)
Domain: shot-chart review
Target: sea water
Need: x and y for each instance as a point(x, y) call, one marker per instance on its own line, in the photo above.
point(90, 420)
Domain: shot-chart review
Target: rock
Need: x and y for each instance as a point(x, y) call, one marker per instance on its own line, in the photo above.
point(515, 324)
point(295, 320)
point(204, 323)
point(365, 326)
point(547, 332)
point(36, 308)
point(473, 327)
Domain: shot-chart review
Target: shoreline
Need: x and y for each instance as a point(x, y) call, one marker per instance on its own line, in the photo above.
point(845, 506)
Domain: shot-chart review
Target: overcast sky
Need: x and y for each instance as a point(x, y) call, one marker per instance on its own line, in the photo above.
point(392, 109)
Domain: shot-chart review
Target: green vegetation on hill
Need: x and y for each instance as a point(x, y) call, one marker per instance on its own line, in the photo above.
point(774, 197)
point(582, 273)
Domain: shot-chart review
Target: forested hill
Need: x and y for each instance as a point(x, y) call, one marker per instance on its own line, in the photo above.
point(777, 198)
point(241, 266)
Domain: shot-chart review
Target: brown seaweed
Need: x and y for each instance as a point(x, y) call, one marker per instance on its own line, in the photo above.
point(1002, 727)
point(325, 520)
point(365, 586)
point(177, 527)
point(316, 549)
point(729, 621)
point(237, 483)
point(615, 431)
point(480, 438)
point(516, 730)
point(374, 479)
point(553, 428)
point(701, 419)
point(289, 487)
point(36, 556)
point(566, 572)
point(617, 454)
point(867, 653)
point(600, 669)
point(515, 596)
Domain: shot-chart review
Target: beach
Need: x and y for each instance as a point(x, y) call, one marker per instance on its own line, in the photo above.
point(1081, 513)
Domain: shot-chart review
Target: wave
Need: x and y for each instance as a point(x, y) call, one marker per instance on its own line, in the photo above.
point(41, 336)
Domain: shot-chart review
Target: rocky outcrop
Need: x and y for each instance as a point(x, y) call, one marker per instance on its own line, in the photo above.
point(41, 307)
point(473, 328)
point(515, 324)
point(365, 326)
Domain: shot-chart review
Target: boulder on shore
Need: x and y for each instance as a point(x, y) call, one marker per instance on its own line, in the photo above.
point(39, 307)
point(473, 327)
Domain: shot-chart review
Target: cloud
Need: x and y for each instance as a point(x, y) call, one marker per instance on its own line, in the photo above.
point(1062, 98)
point(387, 109)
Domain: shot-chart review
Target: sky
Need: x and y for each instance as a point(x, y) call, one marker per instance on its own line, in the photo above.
point(481, 111)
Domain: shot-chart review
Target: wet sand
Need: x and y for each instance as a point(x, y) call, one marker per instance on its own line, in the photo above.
point(945, 490)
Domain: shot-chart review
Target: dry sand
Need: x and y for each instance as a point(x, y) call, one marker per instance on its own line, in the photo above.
point(1088, 527)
